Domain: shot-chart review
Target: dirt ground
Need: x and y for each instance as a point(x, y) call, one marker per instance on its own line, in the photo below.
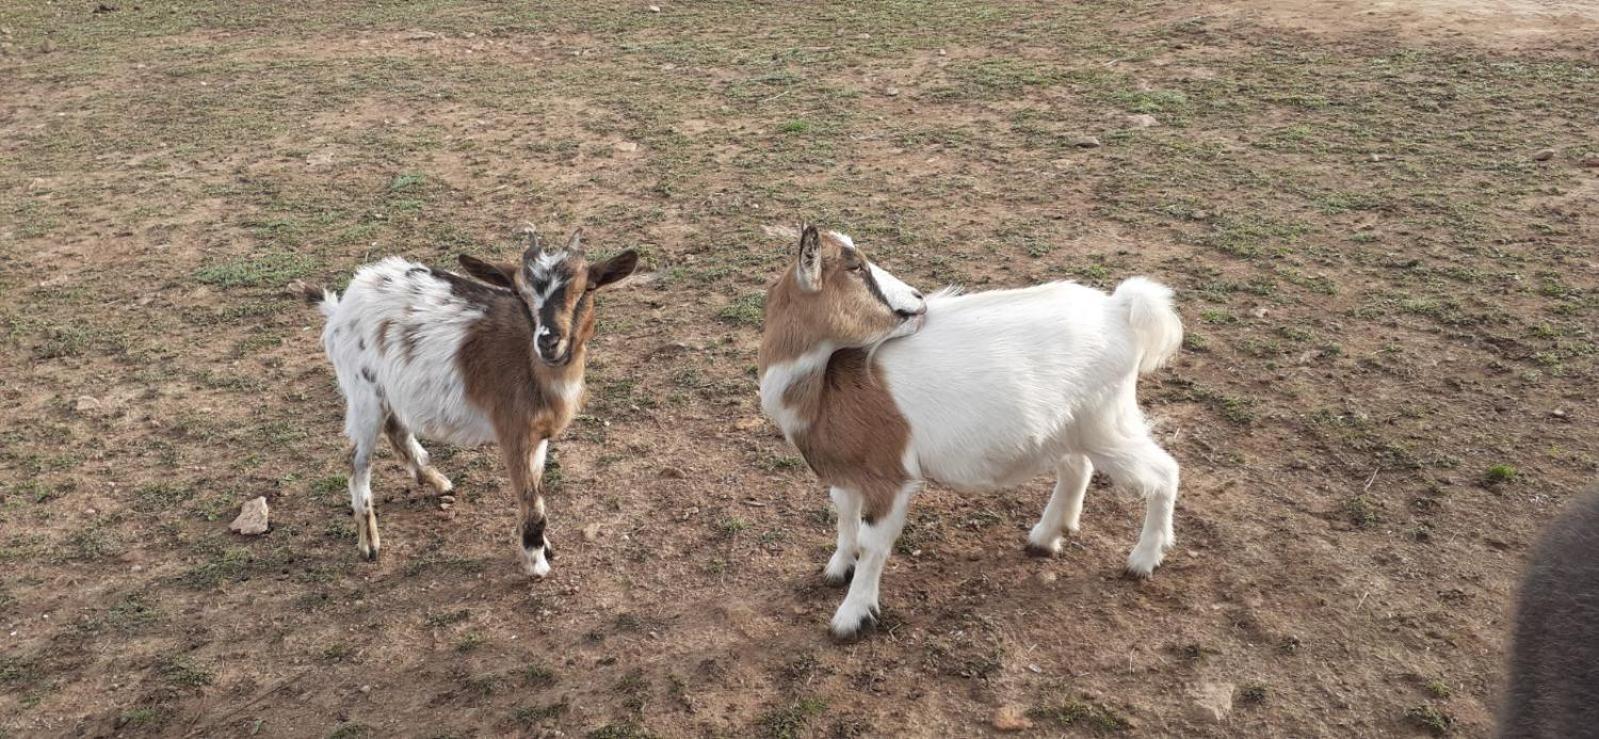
point(1379, 217)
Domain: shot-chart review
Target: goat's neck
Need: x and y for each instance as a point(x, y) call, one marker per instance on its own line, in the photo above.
point(792, 385)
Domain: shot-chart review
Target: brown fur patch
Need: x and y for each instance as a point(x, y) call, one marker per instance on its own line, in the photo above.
point(383, 336)
point(857, 436)
point(843, 311)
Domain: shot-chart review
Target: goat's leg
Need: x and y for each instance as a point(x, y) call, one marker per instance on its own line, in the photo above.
point(415, 457)
point(879, 530)
point(524, 460)
point(1065, 506)
point(362, 422)
point(847, 504)
point(1140, 464)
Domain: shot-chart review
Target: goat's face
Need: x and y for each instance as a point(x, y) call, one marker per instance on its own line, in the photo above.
point(848, 301)
point(558, 285)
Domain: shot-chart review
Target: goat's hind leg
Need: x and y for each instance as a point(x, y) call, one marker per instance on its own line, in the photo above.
point(363, 420)
point(1140, 464)
point(414, 456)
point(1065, 506)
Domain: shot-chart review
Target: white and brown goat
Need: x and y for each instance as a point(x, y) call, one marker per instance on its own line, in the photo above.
point(429, 352)
point(881, 389)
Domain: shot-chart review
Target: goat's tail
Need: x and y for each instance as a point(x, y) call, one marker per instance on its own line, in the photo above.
point(325, 300)
point(1156, 328)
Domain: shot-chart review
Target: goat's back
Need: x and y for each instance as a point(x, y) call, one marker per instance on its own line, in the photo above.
point(1553, 689)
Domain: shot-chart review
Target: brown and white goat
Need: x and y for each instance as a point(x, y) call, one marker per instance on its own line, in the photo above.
point(881, 389)
point(425, 351)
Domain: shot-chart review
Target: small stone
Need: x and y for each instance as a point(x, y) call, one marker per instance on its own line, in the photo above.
point(1592, 162)
point(446, 506)
point(1085, 142)
point(366, 688)
point(1378, 158)
point(1212, 701)
point(48, 46)
point(591, 532)
point(655, 8)
point(1259, 312)
point(1543, 155)
point(1142, 120)
point(422, 36)
point(252, 518)
point(1046, 577)
point(136, 568)
point(625, 146)
point(1558, 413)
point(86, 403)
point(1011, 717)
point(750, 423)
point(891, 91)
point(446, 499)
point(445, 514)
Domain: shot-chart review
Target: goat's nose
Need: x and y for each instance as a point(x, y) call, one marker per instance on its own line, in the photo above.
point(548, 342)
point(917, 293)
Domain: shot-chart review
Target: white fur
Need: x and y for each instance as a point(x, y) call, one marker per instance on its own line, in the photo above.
point(775, 381)
point(534, 562)
point(424, 391)
point(900, 296)
point(1056, 381)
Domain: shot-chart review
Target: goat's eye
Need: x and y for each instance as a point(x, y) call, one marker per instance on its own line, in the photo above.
point(856, 267)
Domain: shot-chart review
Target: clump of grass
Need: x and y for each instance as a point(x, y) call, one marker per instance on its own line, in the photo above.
point(789, 722)
point(1362, 511)
point(1073, 712)
point(627, 730)
point(1500, 474)
point(1430, 718)
point(470, 642)
point(350, 730)
point(530, 715)
point(798, 125)
point(1438, 688)
point(181, 671)
point(746, 311)
point(272, 269)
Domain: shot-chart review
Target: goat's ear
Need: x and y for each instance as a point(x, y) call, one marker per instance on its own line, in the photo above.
point(808, 269)
point(502, 275)
point(613, 269)
point(575, 242)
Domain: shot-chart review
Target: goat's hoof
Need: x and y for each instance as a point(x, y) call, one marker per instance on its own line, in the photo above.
point(1140, 565)
point(837, 573)
point(1042, 552)
point(370, 554)
point(849, 627)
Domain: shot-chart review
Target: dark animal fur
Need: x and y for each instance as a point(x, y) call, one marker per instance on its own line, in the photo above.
point(1553, 689)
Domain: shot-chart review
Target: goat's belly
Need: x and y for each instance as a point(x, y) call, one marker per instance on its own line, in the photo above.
point(462, 426)
point(978, 473)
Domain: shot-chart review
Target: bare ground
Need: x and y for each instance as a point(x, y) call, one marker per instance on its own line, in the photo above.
point(1390, 294)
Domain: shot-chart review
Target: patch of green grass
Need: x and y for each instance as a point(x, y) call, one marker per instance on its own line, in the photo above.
point(269, 269)
point(143, 717)
point(350, 730)
point(789, 722)
point(470, 641)
point(528, 716)
point(626, 730)
point(1434, 720)
point(225, 565)
point(1500, 474)
point(1073, 712)
point(798, 125)
point(1152, 101)
point(1362, 511)
point(1438, 688)
point(748, 310)
point(160, 497)
point(182, 672)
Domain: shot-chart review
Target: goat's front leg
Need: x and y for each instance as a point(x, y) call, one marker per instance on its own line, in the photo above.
point(525, 463)
point(883, 521)
point(847, 503)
